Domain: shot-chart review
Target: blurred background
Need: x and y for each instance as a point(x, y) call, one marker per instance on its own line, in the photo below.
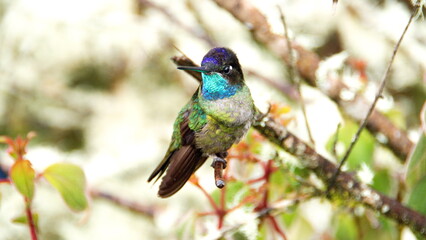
point(95, 81)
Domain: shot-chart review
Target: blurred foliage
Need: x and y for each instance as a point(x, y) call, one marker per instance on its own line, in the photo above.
point(24, 220)
point(416, 172)
point(157, 60)
point(410, 101)
point(21, 118)
point(397, 117)
point(68, 179)
point(382, 182)
point(235, 191)
point(97, 74)
point(346, 228)
point(417, 196)
point(351, 226)
point(92, 76)
point(417, 162)
point(363, 150)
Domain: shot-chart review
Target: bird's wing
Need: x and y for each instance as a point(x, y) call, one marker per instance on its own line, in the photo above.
point(183, 157)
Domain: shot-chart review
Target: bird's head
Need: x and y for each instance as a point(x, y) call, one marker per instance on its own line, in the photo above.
point(222, 61)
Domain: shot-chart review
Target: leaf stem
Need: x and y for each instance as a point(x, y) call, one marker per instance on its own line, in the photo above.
point(30, 220)
point(5, 181)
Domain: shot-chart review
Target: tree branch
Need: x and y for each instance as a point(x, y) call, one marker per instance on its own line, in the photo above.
point(307, 65)
point(345, 186)
point(148, 211)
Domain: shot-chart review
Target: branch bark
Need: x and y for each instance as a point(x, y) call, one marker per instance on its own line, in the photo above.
point(307, 65)
point(346, 186)
point(136, 207)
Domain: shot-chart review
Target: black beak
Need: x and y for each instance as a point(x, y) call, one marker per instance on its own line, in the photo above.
point(196, 69)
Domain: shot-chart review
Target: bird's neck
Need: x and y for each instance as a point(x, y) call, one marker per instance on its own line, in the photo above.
point(216, 87)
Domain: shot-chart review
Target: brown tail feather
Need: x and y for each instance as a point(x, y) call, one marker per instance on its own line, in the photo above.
point(183, 163)
point(161, 168)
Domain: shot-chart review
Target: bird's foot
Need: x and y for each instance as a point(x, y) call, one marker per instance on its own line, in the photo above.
point(218, 160)
point(222, 155)
point(219, 164)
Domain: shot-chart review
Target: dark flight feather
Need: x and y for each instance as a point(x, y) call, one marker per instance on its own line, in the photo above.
point(183, 163)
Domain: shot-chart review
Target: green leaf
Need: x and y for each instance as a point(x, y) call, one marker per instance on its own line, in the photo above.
point(301, 172)
point(417, 196)
point(289, 216)
point(397, 117)
point(239, 236)
point(233, 189)
point(70, 181)
point(363, 149)
point(382, 181)
point(416, 171)
point(22, 175)
point(255, 144)
point(236, 189)
point(417, 163)
point(24, 220)
point(280, 184)
point(346, 227)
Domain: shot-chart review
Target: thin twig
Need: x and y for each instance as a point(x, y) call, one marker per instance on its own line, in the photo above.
point(208, 196)
point(176, 21)
point(291, 72)
point(336, 139)
point(373, 105)
point(294, 78)
point(133, 206)
point(277, 227)
point(334, 152)
point(198, 15)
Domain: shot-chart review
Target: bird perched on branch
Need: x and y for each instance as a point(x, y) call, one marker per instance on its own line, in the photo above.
point(218, 115)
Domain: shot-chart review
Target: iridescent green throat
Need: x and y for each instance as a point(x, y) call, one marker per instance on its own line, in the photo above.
point(216, 87)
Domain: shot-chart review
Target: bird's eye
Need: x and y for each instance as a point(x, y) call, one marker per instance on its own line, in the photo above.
point(227, 69)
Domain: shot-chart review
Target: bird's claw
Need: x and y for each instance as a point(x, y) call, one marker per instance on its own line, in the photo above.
point(220, 183)
point(219, 164)
point(219, 160)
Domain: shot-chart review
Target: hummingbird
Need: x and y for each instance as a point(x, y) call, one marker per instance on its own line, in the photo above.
point(218, 115)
